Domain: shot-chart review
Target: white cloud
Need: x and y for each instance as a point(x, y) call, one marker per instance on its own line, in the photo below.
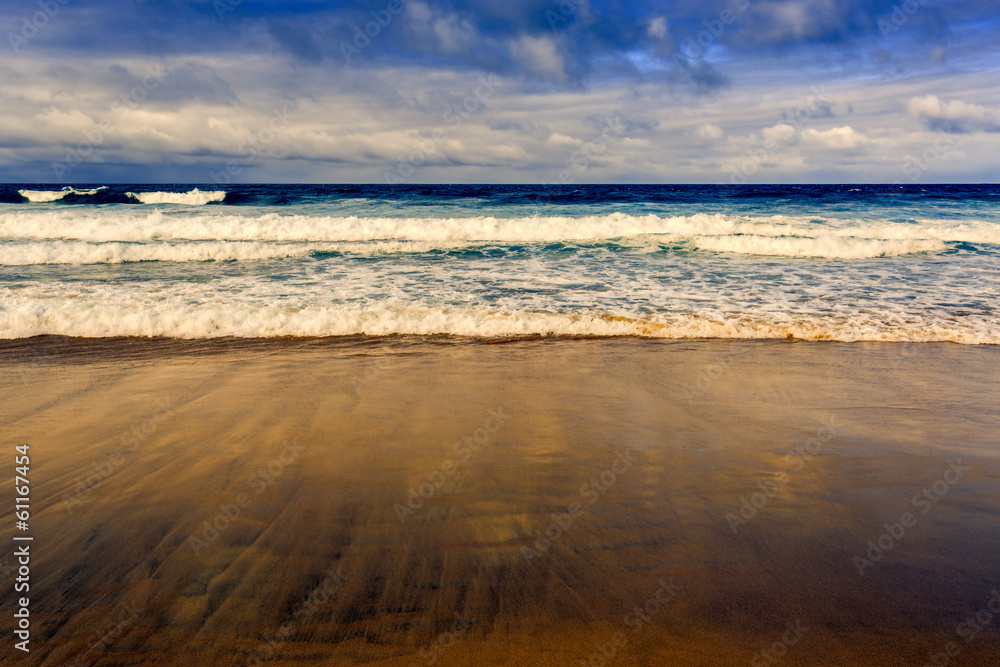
point(64, 125)
point(657, 28)
point(779, 134)
point(419, 12)
point(353, 124)
point(838, 138)
point(452, 32)
point(556, 139)
point(631, 142)
point(540, 56)
point(956, 115)
point(710, 132)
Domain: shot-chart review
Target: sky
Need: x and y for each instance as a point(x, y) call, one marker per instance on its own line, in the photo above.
point(515, 91)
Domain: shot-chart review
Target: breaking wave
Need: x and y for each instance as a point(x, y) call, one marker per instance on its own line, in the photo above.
point(24, 316)
point(44, 196)
point(195, 197)
point(169, 236)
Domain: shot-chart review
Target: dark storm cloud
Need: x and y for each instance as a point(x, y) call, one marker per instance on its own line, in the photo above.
point(564, 43)
point(697, 85)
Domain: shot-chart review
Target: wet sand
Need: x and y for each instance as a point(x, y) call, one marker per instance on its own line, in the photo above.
point(727, 490)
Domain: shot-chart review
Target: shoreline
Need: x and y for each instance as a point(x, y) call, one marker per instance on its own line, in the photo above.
point(228, 343)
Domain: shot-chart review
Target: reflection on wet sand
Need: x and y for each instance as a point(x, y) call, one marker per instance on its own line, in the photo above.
point(420, 501)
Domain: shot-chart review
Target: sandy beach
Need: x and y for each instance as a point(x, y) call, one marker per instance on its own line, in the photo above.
point(417, 501)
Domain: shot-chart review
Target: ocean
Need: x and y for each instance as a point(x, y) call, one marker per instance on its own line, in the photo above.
point(812, 262)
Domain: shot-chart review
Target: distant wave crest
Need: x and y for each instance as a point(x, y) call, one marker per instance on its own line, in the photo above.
point(169, 236)
point(195, 197)
point(44, 196)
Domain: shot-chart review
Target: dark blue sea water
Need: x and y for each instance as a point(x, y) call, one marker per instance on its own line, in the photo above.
point(842, 262)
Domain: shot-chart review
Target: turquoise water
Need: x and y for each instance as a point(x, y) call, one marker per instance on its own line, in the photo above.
point(812, 262)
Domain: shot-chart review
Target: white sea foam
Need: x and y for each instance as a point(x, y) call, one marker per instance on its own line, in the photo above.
point(827, 246)
point(73, 315)
point(795, 237)
point(195, 197)
point(43, 196)
point(26, 253)
point(79, 252)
